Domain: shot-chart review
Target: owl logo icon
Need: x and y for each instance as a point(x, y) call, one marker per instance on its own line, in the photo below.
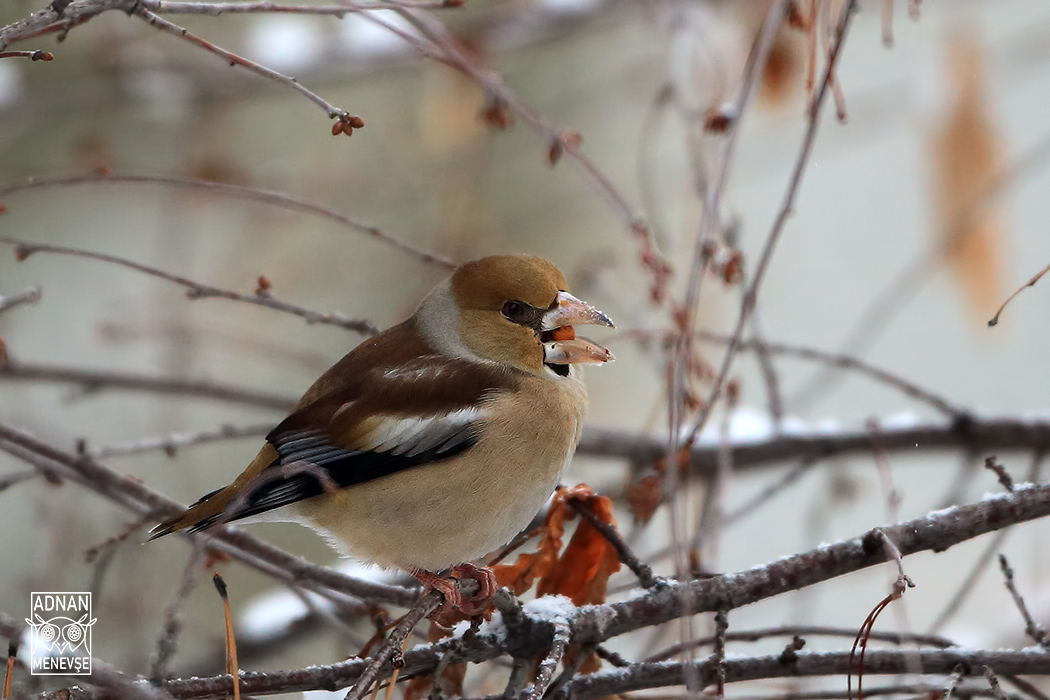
point(60, 629)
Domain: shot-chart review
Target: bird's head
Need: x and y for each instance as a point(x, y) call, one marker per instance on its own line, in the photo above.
point(517, 310)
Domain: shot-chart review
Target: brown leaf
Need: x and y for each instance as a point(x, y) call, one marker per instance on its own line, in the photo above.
point(583, 570)
point(520, 575)
point(645, 495)
point(967, 155)
point(782, 75)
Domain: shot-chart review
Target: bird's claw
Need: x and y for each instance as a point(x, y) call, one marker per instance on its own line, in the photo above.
point(456, 606)
point(478, 603)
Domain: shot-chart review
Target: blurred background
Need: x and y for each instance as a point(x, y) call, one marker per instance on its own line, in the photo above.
point(953, 108)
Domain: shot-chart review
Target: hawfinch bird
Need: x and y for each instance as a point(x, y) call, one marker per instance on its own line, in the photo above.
point(438, 440)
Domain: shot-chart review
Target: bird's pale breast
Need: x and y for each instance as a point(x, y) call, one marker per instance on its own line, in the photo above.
point(439, 515)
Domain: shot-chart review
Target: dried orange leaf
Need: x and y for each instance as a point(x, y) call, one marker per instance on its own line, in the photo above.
point(645, 495)
point(520, 575)
point(583, 570)
point(967, 157)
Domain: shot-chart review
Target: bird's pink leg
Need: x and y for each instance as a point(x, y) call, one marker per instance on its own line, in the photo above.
point(454, 600)
point(480, 601)
point(448, 587)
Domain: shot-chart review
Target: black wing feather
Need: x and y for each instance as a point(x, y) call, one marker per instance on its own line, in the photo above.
point(280, 484)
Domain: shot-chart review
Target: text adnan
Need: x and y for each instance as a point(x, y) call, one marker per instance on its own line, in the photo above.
point(65, 603)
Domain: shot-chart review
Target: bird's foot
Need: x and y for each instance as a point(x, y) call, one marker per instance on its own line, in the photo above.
point(456, 606)
point(478, 603)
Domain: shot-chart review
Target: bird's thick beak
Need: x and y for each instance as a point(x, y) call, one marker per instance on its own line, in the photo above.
point(560, 344)
point(567, 310)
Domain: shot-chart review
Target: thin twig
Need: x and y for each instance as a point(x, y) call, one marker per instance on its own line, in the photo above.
point(1030, 283)
point(545, 674)
point(882, 466)
point(989, 434)
point(226, 189)
point(953, 680)
point(519, 674)
point(571, 668)
point(800, 631)
point(218, 8)
point(785, 210)
point(917, 691)
point(835, 360)
point(770, 491)
point(1005, 480)
point(993, 684)
point(774, 395)
point(33, 55)
point(856, 364)
point(139, 498)
point(1032, 628)
point(440, 45)
point(384, 656)
point(348, 121)
point(23, 249)
point(710, 225)
point(170, 444)
point(969, 584)
point(806, 664)
point(628, 558)
point(173, 616)
point(92, 380)
point(869, 324)
point(718, 654)
point(29, 296)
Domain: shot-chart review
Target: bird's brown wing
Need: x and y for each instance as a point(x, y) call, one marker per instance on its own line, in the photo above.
point(390, 419)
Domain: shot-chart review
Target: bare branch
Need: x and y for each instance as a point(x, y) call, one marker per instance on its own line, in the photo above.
point(1032, 628)
point(385, 656)
point(937, 531)
point(339, 11)
point(643, 571)
point(277, 199)
point(170, 444)
point(348, 121)
point(786, 207)
point(830, 359)
point(1030, 283)
point(29, 296)
point(978, 434)
point(139, 498)
point(34, 55)
point(173, 617)
point(940, 662)
point(91, 380)
point(969, 584)
point(639, 676)
point(441, 46)
point(800, 631)
point(874, 318)
point(559, 643)
point(23, 249)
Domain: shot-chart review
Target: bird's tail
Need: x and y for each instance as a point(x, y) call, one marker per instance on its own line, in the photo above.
point(211, 507)
point(197, 517)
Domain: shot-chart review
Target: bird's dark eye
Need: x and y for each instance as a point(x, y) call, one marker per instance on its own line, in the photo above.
point(515, 311)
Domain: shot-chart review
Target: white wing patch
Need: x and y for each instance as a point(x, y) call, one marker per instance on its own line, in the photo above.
point(410, 436)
